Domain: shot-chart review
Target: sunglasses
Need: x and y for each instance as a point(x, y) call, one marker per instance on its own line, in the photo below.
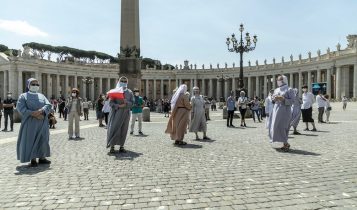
point(35, 85)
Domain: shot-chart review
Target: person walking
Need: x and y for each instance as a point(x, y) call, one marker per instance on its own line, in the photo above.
point(242, 105)
point(74, 106)
point(281, 116)
point(8, 107)
point(306, 108)
point(321, 103)
point(119, 117)
point(231, 106)
point(99, 108)
point(166, 106)
point(328, 108)
point(178, 121)
point(207, 107)
point(33, 138)
point(296, 111)
point(61, 106)
point(85, 106)
point(198, 118)
point(344, 103)
point(214, 104)
point(269, 104)
point(255, 108)
point(106, 110)
point(137, 112)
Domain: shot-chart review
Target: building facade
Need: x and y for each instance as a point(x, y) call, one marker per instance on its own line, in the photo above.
point(338, 69)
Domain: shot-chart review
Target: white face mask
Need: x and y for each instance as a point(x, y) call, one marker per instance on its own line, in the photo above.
point(136, 94)
point(74, 94)
point(279, 83)
point(304, 89)
point(34, 89)
point(9, 96)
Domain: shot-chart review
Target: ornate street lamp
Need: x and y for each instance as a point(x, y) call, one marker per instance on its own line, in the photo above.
point(241, 47)
point(87, 81)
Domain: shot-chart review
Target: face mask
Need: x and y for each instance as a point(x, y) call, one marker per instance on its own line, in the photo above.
point(123, 84)
point(9, 96)
point(279, 83)
point(136, 94)
point(34, 89)
point(74, 94)
point(304, 89)
point(195, 92)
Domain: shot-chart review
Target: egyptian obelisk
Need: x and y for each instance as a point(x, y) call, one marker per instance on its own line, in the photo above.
point(129, 57)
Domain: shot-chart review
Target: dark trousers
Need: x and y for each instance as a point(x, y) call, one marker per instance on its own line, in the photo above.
point(257, 113)
point(86, 112)
point(106, 114)
point(321, 113)
point(9, 114)
point(230, 117)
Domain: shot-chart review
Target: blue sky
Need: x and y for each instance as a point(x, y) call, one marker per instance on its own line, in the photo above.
point(175, 30)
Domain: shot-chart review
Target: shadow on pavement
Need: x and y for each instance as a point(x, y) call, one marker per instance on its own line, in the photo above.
point(26, 169)
point(128, 155)
point(191, 146)
point(299, 152)
point(202, 140)
point(306, 134)
point(144, 135)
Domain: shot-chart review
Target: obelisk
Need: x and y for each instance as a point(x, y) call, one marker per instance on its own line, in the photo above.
point(129, 57)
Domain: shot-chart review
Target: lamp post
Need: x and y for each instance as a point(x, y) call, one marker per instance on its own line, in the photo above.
point(241, 47)
point(222, 78)
point(87, 81)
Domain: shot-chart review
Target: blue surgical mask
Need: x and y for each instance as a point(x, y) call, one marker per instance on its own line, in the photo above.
point(123, 84)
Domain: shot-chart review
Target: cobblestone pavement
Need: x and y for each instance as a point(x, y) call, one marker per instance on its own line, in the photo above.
point(237, 169)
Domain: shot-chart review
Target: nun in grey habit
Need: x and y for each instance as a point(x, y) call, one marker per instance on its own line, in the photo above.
point(33, 139)
point(119, 117)
point(283, 97)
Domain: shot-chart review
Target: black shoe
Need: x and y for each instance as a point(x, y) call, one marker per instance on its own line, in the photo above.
point(206, 138)
point(44, 161)
point(232, 126)
point(306, 129)
point(314, 129)
point(245, 125)
point(11, 130)
point(5, 130)
point(78, 137)
point(131, 132)
point(122, 150)
point(33, 163)
point(296, 133)
point(112, 150)
point(141, 133)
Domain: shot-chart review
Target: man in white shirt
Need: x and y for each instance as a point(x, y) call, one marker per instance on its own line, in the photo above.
point(321, 103)
point(306, 108)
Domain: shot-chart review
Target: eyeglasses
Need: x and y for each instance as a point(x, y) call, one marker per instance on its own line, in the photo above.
point(124, 81)
point(35, 85)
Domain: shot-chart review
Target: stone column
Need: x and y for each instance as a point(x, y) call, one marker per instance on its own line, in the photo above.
point(318, 79)
point(75, 81)
point(84, 90)
point(203, 89)
point(177, 83)
point(108, 85)
point(180, 83)
point(300, 83)
point(257, 90)
point(5, 84)
point(338, 83)
point(274, 81)
point(169, 92)
point(226, 91)
point(162, 89)
point(100, 89)
point(234, 88)
point(291, 80)
point(92, 91)
point(19, 83)
point(328, 82)
point(147, 88)
point(38, 76)
point(49, 86)
point(250, 94)
point(154, 95)
point(355, 80)
point(191, 86)
point(265, 87)
point(210, 88)
point(309, 81)
point(218, 89)
point(58, 83)
point(65, 88)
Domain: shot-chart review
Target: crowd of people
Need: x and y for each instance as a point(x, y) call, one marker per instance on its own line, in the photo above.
point(282, 109)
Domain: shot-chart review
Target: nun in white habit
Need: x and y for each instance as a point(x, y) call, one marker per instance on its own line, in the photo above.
point(283, 98)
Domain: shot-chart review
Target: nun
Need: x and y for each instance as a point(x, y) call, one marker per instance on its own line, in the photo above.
point(296, 112)
point(179, 118)
point(283, 98)
point(33, 139)
point(268, 103)
point(198, 117)
point(119, 117)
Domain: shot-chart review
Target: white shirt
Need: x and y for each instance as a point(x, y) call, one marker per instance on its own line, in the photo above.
point(320, 101)
point(106, 107)
point(307, 100)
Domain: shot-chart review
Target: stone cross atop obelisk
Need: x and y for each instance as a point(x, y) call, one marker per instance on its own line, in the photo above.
point(129, 58)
